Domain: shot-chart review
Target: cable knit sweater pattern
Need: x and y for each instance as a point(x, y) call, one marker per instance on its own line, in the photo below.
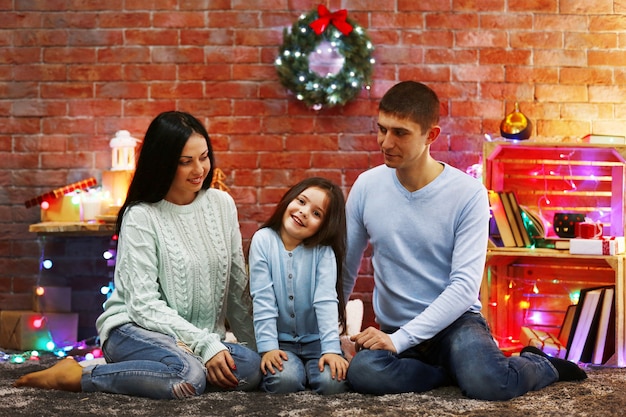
point(180, 271)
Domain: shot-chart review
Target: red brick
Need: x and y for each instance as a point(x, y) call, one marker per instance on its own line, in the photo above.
point(178, 19)
point(14, 20)
point(67, 89)
point(585, 7)
point(177, 54)
point(123, 54)
point(95, 72)
point(203, 36)
point(22, 125)
point(39, 108)
point(125, 20)
point(532, 75)
point(285, 160)
point(230, 19)
point(152, 37)
point(85, 20)
point(533, 5)
point(49, 37)
point(121, 90)
point(253, 72)
point(69, 55)
point(510, 21)
point(311, 143)
point(211, 72)
point(82, 37)
point(449, 21)
point(339, 160)
point(251, 143)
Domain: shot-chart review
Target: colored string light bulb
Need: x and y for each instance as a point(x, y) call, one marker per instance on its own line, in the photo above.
point(37, 322)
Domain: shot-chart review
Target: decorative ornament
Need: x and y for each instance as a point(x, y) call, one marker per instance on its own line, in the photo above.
point(326, 58)
point(516, 125)
point(123, 151)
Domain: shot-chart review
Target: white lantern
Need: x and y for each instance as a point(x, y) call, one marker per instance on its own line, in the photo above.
point(123, 151)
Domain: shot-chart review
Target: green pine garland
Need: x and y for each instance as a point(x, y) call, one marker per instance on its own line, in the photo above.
point(314, 90)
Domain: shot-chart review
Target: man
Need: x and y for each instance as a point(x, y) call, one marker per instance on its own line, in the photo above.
point(428, 226)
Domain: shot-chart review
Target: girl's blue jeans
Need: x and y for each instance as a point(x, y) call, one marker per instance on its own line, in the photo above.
point(464, 354)
point(150, 364)
point(301, 370)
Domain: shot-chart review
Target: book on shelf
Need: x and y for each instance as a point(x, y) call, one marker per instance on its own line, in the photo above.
point(534, 224)
point(510, 216)
point(505, 231)
point(552, 243)
point(566, 327)
point(525, 236)
point(581, 326)
point(590, 341)
point(586, 324)
point(604, 347)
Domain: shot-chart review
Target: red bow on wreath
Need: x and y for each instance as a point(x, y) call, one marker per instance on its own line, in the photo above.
point(338, 19)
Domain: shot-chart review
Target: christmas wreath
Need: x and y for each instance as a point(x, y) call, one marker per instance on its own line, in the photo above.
point(326, 58)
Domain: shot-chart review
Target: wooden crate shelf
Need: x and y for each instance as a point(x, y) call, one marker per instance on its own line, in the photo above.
point(533, 287)
point(518, 283)
point(561, 177)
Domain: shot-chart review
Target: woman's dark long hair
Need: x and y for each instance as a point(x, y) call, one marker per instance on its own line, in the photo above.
point(331, 233)
point(159, 156)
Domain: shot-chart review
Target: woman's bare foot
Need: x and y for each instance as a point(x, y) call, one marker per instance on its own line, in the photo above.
point(65, 375)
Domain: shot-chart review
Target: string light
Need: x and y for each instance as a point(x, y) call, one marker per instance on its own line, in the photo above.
point(519, 301)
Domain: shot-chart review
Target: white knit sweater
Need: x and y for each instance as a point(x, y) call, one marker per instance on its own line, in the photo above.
point(180, 271)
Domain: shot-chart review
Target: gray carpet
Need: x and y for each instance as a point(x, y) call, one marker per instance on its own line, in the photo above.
point(602, 394)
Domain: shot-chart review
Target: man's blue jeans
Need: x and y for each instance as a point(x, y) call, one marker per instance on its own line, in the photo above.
point(301, 370)
point(150, 364)
point(464, 354)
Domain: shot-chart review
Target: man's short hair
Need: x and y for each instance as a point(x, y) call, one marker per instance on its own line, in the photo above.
point(413, 101)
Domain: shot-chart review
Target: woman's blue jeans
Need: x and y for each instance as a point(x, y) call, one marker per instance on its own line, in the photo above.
point(464, 354)
point(301, 370)
point(150, 364)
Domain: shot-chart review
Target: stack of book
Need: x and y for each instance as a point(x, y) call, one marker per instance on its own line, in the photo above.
point(589, 326)
point(515, 227)
point(518, 226)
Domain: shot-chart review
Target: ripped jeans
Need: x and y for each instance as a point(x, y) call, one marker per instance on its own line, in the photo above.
point(145, 363)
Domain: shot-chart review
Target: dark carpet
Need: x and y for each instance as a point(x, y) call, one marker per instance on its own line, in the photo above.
point(602, 394)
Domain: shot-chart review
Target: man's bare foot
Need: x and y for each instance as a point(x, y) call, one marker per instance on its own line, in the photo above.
point(65, 375)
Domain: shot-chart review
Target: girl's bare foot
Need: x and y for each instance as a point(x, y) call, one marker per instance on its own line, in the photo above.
point(65, 375)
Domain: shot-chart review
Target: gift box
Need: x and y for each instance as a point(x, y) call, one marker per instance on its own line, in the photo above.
point(62, 209)
point(29, 330)
point(52, 299)
point(548, 343)
point(602, 246)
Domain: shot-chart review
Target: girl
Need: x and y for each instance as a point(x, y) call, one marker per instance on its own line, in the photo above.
point(180, 274)
point(295, 279)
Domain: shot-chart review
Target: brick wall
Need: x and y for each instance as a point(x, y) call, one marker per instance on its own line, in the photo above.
point(72, 73)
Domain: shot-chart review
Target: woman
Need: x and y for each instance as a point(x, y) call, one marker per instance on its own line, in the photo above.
point(180, 274)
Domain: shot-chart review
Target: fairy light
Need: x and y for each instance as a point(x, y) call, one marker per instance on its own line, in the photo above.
point(37, 322)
